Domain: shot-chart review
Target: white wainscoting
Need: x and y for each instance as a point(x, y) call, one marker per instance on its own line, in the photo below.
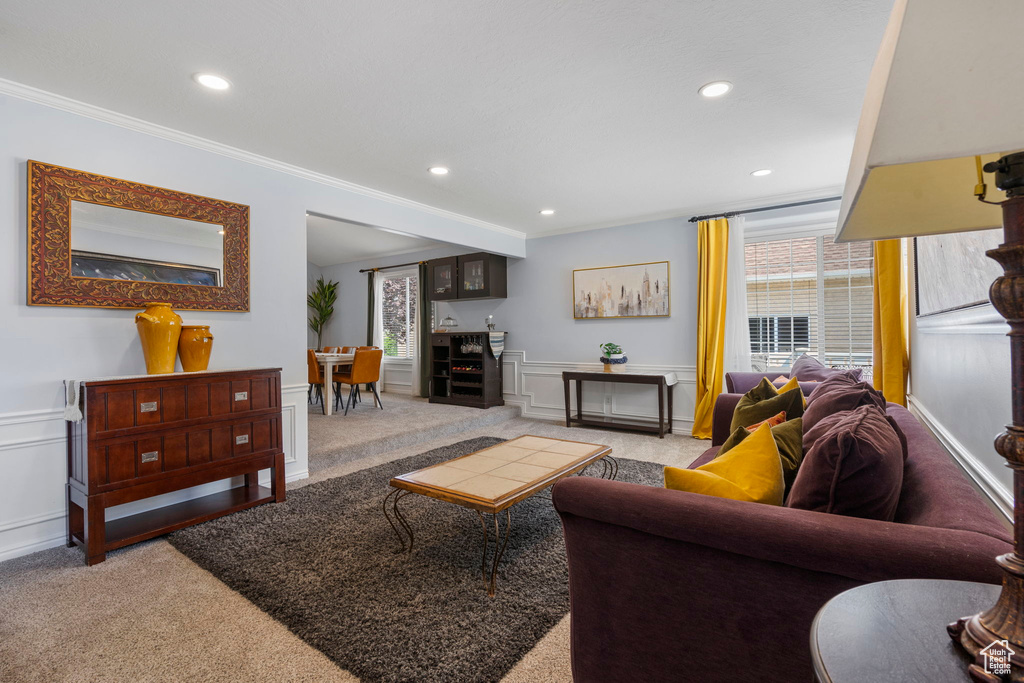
point(1000, 495)
point(536, 386)
point(33, 472)
point(397, 376)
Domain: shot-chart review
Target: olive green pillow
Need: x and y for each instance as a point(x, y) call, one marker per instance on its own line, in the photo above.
point(764, 401)
point(789, 440)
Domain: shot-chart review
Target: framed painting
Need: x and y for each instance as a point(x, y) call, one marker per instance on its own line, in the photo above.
point(952, 272)
point(638, 290)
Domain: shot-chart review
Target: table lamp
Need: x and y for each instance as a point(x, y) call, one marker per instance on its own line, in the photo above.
point(946, 98)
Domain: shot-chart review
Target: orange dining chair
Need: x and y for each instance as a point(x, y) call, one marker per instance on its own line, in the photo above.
point(365, 369)
point(316, 378)
point(348, 349)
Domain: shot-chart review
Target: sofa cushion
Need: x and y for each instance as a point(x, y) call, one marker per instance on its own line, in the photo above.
point(809, 369)
point(792, 385)
point(854, 467)
point(762, 402)
point(837, 394)
point(751, 471)
point(788, 439)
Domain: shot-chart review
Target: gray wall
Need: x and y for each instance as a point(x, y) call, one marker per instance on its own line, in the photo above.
point(45, 345)
point(538, 312)
point(960, 385)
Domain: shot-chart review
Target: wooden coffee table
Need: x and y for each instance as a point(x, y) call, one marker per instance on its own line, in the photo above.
point(492, 480)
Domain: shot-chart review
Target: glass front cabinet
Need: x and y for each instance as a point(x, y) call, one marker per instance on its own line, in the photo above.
point(470, 276)
point(443, 280)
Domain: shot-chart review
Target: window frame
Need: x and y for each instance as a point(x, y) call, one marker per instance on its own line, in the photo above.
point(820, 233)
point(412, 299)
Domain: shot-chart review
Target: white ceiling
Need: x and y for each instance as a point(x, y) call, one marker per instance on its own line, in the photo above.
point(589, 107)
point(330, 241)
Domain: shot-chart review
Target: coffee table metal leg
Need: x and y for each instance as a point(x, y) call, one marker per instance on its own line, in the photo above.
point(392, 498)
point(401, 518)
point(490, 583)
point(499, 551)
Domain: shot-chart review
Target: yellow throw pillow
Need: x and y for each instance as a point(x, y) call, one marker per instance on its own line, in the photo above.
point(793, 383)
point(751, 471)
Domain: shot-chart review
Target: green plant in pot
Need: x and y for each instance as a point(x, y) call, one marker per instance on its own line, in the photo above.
point(321, 301)
point(613, 354)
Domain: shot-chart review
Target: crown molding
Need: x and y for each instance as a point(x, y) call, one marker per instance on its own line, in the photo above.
point(31, 94)
point(698, 210)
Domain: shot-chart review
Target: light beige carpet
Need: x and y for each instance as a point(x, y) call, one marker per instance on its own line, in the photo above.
point(150, 614)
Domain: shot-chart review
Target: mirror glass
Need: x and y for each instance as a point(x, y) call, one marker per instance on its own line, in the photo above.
point(120, 244)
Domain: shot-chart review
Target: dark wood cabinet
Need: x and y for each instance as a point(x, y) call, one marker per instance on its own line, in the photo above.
point(443, 278)
point(470, 276)
point(464, 370)
point(145, 436)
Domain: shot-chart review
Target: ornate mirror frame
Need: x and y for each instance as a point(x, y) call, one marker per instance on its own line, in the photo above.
point(51, 190)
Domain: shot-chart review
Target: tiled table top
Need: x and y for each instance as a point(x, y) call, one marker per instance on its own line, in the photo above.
point(496, 477)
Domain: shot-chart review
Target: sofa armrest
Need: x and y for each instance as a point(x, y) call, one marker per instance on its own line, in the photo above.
point(861, 549)
point(721, 417)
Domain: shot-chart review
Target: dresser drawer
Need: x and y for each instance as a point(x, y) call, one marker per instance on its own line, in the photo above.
point(126, 461)
point(111, 409)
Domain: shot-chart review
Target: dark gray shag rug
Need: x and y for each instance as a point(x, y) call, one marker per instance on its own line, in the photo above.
point(325, 563)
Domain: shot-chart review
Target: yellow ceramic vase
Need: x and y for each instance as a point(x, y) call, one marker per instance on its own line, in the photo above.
point(194, 347)
point(159, 328)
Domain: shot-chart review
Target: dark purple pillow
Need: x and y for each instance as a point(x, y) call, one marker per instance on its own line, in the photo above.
point(854, 468)
point(809, 369)
point(835, 395)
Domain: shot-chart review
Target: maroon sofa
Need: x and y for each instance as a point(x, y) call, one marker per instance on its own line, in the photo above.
point(676, 586)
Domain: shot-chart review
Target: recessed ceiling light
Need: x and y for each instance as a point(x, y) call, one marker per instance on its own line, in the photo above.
point(761, 171)
point(439, 170)
point(547, 212)
point(211, 81)
point(715, 88)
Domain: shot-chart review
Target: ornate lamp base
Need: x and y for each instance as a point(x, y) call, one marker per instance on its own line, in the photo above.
point(995, 638)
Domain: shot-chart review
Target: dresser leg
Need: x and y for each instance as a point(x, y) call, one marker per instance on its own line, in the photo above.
point(76, 519)
point(95, 533)
point(277, 479)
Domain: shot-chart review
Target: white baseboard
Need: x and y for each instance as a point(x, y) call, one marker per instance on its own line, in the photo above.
point(995, 490)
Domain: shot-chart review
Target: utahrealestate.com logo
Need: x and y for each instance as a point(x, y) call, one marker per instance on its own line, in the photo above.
point(997, 658)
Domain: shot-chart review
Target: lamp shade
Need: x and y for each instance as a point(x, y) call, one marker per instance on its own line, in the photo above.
point(946, 86)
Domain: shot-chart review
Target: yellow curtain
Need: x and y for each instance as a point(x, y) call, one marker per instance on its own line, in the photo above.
point(712, 259)
point(891, 361)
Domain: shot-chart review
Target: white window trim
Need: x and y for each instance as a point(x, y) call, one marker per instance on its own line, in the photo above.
point(403, 272)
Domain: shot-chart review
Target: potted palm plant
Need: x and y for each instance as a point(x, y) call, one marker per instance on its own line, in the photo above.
point(321, 301)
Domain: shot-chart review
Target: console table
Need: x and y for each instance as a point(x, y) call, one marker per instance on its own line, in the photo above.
point(146, 435)
point(664, 382)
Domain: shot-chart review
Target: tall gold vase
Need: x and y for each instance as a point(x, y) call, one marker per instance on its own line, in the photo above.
point(159, 329)
point(194, 347)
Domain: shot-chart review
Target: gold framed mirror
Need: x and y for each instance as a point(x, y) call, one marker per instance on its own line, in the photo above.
point(104, 242)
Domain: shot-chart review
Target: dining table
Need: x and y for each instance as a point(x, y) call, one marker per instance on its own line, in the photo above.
point(328, 361)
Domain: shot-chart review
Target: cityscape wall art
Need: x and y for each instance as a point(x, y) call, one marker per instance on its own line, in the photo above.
point(639, 290)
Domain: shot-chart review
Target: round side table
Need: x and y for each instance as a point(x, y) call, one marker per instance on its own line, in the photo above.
point(896, 631)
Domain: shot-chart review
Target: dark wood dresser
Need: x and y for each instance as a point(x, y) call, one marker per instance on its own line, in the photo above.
point(464, 370)
point(148, 435)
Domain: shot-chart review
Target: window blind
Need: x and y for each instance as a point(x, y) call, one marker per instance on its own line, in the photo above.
point(808, 295)
point(399, 315)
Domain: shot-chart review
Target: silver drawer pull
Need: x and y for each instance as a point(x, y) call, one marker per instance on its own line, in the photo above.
point(244, 438)
point(151, 456)
point(241, 395)
point(148, 407)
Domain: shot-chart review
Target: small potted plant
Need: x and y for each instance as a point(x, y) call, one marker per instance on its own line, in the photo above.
point(612, 354)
